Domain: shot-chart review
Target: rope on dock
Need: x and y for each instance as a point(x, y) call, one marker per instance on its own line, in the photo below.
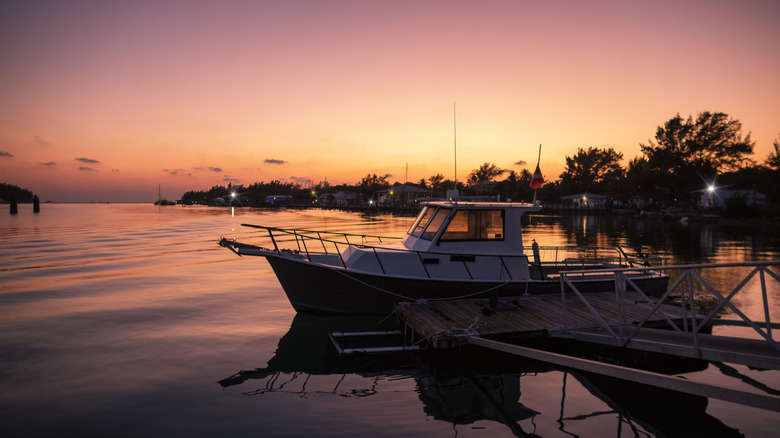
point(453, 332)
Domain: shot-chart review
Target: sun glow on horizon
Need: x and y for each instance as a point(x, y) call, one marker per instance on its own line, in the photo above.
point(109, 102)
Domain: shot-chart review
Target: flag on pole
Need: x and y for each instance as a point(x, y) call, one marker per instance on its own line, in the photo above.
point(537, 180)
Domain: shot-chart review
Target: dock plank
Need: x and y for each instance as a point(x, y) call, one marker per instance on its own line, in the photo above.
point(441, 321)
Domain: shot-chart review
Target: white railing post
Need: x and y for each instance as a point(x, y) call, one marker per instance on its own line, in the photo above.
point(766, 304)
point(620, 290)
point(692, 305)
point(563, 280)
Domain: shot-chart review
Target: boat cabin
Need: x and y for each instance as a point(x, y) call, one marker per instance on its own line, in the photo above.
point(486, 235)
point(464, 227)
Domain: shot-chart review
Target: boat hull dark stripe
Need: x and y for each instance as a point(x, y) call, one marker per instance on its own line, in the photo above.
point(313, 288)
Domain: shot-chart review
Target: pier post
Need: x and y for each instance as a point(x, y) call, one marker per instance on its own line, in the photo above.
point(36, 205)
point(14, 206)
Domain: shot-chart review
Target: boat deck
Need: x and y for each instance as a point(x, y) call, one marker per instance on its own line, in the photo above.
point(442, 322)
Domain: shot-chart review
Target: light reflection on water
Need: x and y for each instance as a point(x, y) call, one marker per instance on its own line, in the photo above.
point(120, 320)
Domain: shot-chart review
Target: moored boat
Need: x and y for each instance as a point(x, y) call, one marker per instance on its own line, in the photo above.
point(453, 250)
point(162, 201)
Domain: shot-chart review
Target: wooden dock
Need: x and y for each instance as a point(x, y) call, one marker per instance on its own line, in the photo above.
point(443, 323)
point(502, 327)
point(622, 325)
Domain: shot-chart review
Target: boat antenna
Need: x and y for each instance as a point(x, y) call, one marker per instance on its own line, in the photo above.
point(455, 143)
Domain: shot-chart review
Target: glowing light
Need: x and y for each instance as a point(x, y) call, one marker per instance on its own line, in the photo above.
point(711, 189)
point(233, 194)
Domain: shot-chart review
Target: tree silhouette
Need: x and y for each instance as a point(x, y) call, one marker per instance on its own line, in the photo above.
point(593, 170)
point(688, 154)
point(773, 159)
point(485, 172)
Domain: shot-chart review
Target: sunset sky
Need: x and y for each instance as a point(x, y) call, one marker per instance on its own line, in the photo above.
point(106, 100)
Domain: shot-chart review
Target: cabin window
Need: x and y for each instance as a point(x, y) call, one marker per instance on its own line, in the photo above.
point(417, 221)
point(475, 225)
point(435, 223)
point(420, 225)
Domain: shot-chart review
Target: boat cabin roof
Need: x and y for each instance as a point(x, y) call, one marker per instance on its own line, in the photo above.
point(469, 227)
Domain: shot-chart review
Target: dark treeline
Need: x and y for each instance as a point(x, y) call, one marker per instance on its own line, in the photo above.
point(10, 192)
point(255, 193)
point(686, 157)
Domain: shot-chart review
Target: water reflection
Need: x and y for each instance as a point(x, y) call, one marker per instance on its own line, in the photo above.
point(691, 242)
point(469, 386)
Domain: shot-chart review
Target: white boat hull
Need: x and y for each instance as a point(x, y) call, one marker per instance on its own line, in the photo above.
point(327, 289)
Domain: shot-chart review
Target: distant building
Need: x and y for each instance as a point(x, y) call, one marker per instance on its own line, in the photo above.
point(716, 198)
point(402, 193)
point(585, 200)
point(278, 199)
point(639, 201)
point(340, 199)
point(484, 187)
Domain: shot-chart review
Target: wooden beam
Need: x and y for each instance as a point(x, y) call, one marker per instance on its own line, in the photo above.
point(762, 401)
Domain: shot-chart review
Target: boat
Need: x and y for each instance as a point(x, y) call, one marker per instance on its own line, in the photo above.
point(453, 250)
point(162, 201)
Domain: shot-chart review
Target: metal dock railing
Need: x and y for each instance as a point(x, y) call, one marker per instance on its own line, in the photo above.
point(678, 323)
point(700, 303)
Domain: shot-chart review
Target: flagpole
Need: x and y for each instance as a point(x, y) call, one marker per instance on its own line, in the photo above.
point(538, 161)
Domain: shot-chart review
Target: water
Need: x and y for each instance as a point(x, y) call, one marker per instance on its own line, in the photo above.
point(129, 320)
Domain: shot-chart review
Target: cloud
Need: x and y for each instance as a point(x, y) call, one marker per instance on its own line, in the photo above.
point(521, 163)
point(274, 161)
point(300, 179)
point(177, 172)
point(230, 179)
point(50, 163)
point(85, 168)
point(388, 175)
point(115, 170)
point(40, 141)
point(210, 168)
point(6, 154)
point(87, 160)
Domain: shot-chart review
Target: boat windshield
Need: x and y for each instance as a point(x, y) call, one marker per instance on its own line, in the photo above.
point(435, 223)
point(475, 225)
point(421, 222)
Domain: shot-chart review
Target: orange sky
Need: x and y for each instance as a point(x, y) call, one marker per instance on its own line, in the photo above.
point(106, 100)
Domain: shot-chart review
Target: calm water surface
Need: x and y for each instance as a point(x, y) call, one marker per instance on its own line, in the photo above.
point(129, 320)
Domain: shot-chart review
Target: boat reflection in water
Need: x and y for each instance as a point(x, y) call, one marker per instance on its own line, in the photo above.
point(467, 386)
